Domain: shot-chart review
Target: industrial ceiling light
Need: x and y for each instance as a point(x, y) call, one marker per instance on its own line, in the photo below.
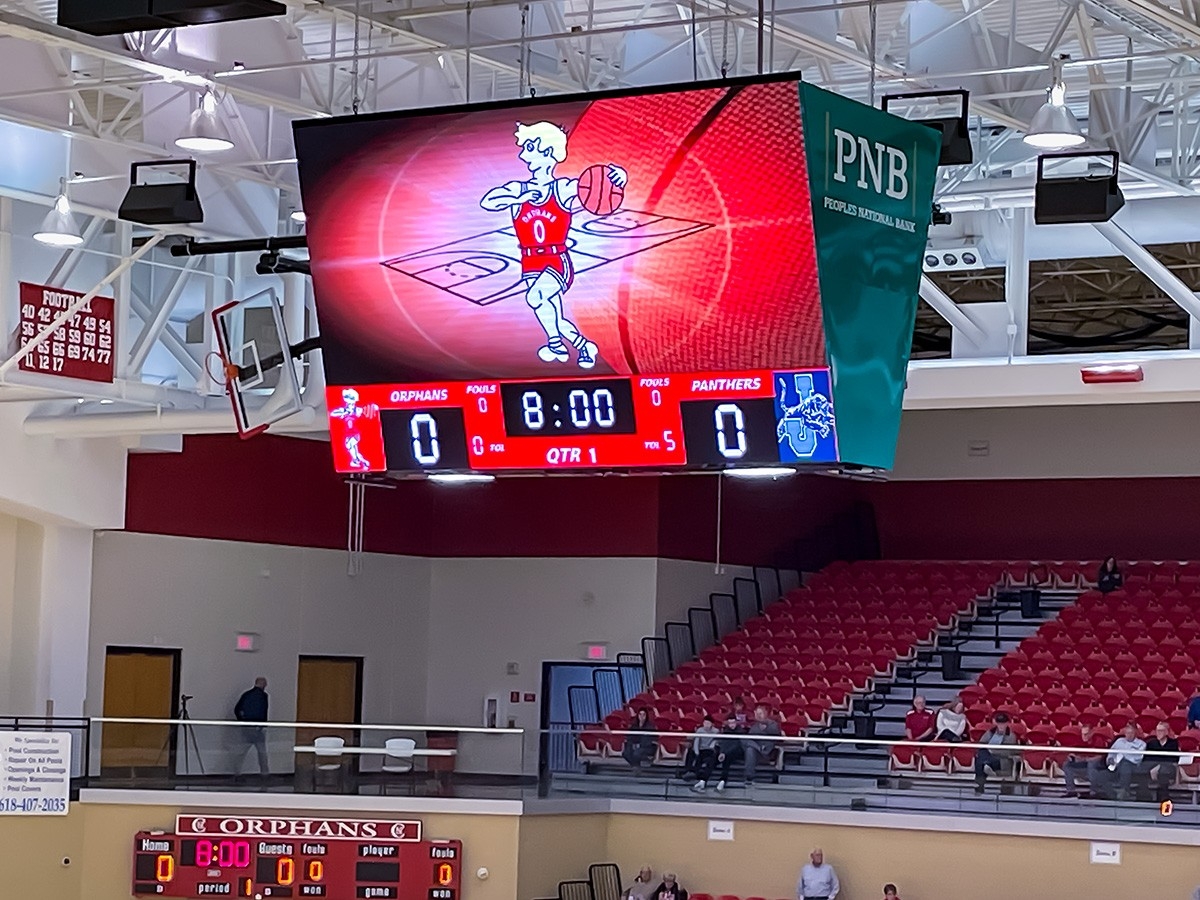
point(299, 216)
point(205, 132)
point(1054, 126)
point(59, 228)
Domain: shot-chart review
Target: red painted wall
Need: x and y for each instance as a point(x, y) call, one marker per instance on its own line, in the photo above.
point(284, 491)
point(1137, 518)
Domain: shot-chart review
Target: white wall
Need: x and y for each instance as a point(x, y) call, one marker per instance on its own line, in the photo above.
point(681, 584)
point(487, 613)
point(437, 635)
point(1112, 441)
point(153, 590)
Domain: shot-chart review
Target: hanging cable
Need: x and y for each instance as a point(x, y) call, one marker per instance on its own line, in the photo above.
point(522, 72)
point(354, 94)
point(695, 49)
point(725, 42)
point(354, 528)
point(717, 555)
point(873, 13)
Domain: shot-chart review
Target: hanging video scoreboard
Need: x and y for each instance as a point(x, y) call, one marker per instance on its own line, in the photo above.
point(269, 857)
point(689, 277)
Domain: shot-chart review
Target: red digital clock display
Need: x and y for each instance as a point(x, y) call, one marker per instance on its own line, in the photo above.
point(290, 865)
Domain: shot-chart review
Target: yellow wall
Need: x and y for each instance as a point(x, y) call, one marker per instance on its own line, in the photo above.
point(99, 840)
point(528, 856)
point(558, 848)
point(765, 858)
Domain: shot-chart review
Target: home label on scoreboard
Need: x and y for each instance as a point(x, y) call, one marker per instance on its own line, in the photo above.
point(269, 857)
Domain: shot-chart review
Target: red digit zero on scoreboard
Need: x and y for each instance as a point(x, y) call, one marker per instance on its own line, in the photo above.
point(264, 857)
point(81, 348)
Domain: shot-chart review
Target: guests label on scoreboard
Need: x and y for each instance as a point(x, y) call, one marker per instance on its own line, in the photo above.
point(408, 830)
point(35, 773)
point(82, 347)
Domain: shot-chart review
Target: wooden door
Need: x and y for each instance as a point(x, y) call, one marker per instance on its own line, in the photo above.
point(140, 683)
point(328, 689)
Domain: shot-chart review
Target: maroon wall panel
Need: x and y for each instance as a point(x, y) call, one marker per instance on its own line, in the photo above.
point(1061, 519)
point(283, 491)
point(280, 490)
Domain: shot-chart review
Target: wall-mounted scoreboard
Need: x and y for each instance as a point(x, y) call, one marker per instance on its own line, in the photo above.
point(279, 857)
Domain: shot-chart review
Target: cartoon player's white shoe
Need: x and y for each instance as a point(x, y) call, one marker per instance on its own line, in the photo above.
point(588, 353)
point(555, 351)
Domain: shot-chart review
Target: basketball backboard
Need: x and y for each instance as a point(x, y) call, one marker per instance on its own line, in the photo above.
point(259, 371)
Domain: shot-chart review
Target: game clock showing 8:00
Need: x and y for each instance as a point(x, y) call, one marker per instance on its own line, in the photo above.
point(602, 406)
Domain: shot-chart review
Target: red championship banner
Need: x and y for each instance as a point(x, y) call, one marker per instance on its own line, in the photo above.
point(81, 348)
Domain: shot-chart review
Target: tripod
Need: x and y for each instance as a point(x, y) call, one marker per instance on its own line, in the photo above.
point(189, 738)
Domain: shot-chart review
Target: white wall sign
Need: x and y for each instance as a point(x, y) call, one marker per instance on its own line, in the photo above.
point(1106, 854)
point(35, 773)
point(720, 831)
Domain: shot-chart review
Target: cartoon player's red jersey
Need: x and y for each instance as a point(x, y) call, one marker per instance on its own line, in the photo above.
point(362, 428)
point(542, 236)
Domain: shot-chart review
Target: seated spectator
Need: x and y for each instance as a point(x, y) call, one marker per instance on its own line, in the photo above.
point(701, 755)
point(951, 722)
point(1109, 577)
point(1193, 711)
point(740, 712)
point(763, 726)
point(1160, 770)
point(641, 889)
point(1124, 756)
point(994, 756)
point(670, 889)
point(889, 892)
point(1080, 763)
point(730, 750)
point(639, 749)
point(919, 723)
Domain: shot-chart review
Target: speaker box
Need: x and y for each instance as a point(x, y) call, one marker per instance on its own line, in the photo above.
point(108, 17)
point(169, 203)
point(122, 16)
point(203, 12)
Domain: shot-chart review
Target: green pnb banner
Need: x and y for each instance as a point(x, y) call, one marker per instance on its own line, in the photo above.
point(871, 176)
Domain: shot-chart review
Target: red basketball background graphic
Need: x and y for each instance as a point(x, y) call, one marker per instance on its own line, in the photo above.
point(657, 233)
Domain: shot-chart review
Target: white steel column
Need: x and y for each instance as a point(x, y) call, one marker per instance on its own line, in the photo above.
point(1016, 282)
point(122, 309)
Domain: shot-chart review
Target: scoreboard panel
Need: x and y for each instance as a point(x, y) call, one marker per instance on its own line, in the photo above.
point(704, 420)
point(188, 866)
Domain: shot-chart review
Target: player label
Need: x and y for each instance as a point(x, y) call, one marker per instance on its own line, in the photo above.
point(378, 850)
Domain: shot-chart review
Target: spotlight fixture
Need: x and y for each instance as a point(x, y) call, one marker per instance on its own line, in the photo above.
point(958, 256)
point(1054, 126)
point(299, 216)
point(205, 132)
point(59, 228)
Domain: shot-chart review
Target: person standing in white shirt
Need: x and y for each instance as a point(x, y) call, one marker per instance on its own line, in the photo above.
point(1124, 756)
point(818, 880)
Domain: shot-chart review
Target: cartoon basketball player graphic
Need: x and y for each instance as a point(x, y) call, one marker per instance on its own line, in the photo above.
point(349, 413)
point(541, 208)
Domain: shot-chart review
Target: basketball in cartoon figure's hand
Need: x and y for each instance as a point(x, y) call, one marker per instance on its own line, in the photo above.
point(597, 193)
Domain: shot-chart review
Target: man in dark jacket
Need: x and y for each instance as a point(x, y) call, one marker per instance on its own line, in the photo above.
point(252, 707)
point(730, 749)
point(1160, 771)
point(670, 889)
